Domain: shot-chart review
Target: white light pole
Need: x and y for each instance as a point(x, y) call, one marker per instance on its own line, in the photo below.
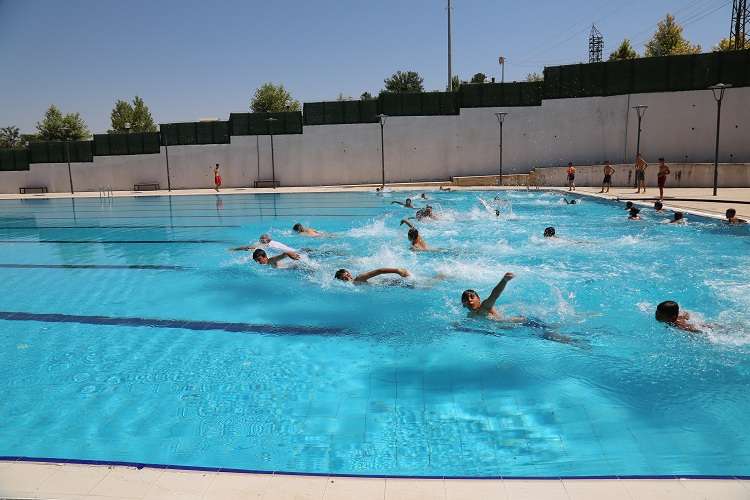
point(382, 149)
point(450, 54)
point(501, 60)
point(500, 119)
point(718, 91)
point(641, 111)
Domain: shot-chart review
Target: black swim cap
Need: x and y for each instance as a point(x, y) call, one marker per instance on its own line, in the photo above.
point(549, 232)
point(667, 311)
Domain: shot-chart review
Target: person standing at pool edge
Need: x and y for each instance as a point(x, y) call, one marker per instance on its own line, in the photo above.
point(640, 173)
point(608, 171)
point(661, 177)
point(217, 178)
point(571, 176)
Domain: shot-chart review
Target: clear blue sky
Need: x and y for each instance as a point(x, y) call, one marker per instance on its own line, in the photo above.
point(197, 59)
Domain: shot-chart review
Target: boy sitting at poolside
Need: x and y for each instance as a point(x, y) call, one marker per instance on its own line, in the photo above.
point(344, 275)
point(669, 312)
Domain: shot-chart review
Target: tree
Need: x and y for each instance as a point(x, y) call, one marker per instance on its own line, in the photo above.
point(270, 98)
point(366, 96)
point(668, 40)
point(455, 82)
point(58, 127)
point(10, 138)
point(623, 52)
point(534, 77)
point(137, 116)
point(404, 81)
point(479, 78)
point(727, 44)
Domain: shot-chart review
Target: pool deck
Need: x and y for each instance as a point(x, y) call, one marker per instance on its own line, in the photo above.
point(74, 481)
point(25, 479)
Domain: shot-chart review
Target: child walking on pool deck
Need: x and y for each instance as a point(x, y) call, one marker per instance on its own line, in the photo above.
point(217, 177)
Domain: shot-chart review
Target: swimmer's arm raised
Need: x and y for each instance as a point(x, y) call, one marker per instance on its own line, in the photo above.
point(404, 221)
point(244, 249)
point(383, 270)
point(278, 258)
point(489, 302)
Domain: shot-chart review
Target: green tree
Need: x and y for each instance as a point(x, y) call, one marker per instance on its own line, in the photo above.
point(623, 52)
point(455, 83)
point(534, 77)
point(136, 115)
point(10, 137)
point(669, 41)
point(479, 78)
point(727, 44)
point(58, 127)
point(270, 98)
point(404, 81)
point(366, 96)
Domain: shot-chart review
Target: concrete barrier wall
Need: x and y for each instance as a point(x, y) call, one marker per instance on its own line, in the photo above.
point(679, 126)
point(681, 175)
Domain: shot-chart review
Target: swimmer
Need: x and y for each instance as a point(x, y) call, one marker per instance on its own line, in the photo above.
point(571, 202)
point(669, 312)
point(659, 206)
point(265, 241)
point(425, 213)
point(260, 256)
point(549, 232)
point(732, 217)
point(634, 214)
point(442, 188)
point(628, 205)
point(423, 196)
point(306, 231)
point(679, 218)
point(486, 308)
point(344, 275)
point(418, 244)
point(408, 203)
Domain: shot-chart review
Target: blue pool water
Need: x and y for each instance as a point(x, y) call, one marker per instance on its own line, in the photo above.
point(128, 332)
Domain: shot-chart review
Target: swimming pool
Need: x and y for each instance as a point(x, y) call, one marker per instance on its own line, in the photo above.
point(128, 332)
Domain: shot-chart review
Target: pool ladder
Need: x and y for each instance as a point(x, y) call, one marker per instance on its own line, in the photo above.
point(105, 192)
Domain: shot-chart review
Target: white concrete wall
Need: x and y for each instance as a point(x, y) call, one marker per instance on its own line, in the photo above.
point(679, 126)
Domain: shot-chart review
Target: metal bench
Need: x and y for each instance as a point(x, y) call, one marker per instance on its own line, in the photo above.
point(148, 186)
point(260, 183)
point(37, 189)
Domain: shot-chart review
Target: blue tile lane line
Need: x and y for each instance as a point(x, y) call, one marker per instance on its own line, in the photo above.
point(92, 266)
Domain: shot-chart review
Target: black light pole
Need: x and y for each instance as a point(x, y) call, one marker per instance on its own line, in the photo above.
point(382, 149)
point(641, 111)
point(166, 155)
point(718, 91)
point(500, 119)
point(273, 163)
point(66, 130)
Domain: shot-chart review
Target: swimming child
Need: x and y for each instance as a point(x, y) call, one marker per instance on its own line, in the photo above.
point(634, 214)
point(260, 256)
point(408, 203)
point(306, 231)
point(679, 218)
point(425, 213)
point(732, 218)
point(549, 232)
point(345, 275)
point(571, 202)
point(418, 244)
point(658, 206)
point(486, 308)
point(217, 177)
point(265, 241)
point(669, 312)
point(628, 205)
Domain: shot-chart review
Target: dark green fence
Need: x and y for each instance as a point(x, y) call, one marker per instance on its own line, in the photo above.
point(648, 74)
point(58, 151)
point(178, 134)
point(14, 159)
point(289, 122)
point(126, 144)
point(338, 112)
point(476, 95)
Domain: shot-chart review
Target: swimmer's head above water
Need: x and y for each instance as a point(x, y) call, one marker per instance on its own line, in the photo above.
point(265, 239)
point(259, 256)
point(298, 228)
point(668, 311)
point(549, 232)
point(344, 275)
point(470, 300)
point(658, 206)
point(413, 235)
point(628, 205)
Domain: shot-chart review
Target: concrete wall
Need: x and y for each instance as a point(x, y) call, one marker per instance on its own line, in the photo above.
point(679, 126)
point(682, 175)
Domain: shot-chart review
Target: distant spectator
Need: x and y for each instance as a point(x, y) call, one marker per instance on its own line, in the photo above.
point(608, 171)
point(661, 177)
point(571, 176)
point(217, 177)
point(640, 173)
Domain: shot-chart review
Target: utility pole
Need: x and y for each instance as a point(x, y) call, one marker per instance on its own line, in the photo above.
point(450, 54)
point(738, 28)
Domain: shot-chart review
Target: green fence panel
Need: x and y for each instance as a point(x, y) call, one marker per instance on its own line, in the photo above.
point(552, 82)
point(38, 152)
point(431, 103)
point(169, 135)
point(651, 74)
point(593, 79)
point(314, 113)
point(21, 159)
point(186, 133)
point(277, 125)
point(368, 111)
point(56, 151)
point(449, 103)
point(705, 70)
point(570, 81)
point(681, 72)
point(204, 132)
point(619, 77)
point(293, 122)
point(411, 104)
point(7, 160)
point(118, 144)
point(151, 142)
point(734, 67)
point(135, 143)
point(221, 132)
point(390, 104)
point(239, 123)
point(257, 124)
point(82, 151)
point(351, 111)
point(470, 95)
point(334, 112)
point(101, 144)
point(531, 93)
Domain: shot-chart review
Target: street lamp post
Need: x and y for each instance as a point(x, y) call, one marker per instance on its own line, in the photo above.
point(501, 60)
point(166, 156)
point(273, 162)
point(382, 149)
point(641, 111)
point(66, 131)
point(500, 119)
point(718, 91)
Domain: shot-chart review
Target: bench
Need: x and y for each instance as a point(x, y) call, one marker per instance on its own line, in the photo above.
point(148, 186)
point(266, 183)
point(38, 189)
